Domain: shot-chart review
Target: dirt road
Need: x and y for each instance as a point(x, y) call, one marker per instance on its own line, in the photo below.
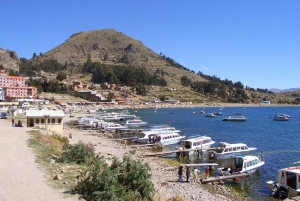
point(21, 179)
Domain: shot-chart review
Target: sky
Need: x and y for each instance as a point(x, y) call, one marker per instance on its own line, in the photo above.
point(255, 42)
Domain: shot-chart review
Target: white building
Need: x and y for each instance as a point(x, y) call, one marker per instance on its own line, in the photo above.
point(46, 119)
point(265, 103)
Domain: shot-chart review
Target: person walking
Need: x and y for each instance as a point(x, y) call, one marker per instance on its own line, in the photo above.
point(13, 122)
point(70, 136)
point(187, 174)
point(195, 174)
point(180, 173)
point(207, 172)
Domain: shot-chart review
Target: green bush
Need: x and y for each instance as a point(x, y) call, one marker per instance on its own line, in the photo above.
point(78, 153)
point(126, 180)
point(64, 140)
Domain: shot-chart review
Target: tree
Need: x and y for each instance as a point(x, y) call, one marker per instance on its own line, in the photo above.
point(162, 98)
point(141, 90)
point(61, 76)
point(185, 81)
point(238, 85)
point(110, 96)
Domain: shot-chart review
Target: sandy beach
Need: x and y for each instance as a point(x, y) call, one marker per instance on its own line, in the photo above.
point(24, 180)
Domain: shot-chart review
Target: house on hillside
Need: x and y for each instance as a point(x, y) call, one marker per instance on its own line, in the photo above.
point(265, 103)
point(108, 86)
point(77, 85)
point(46, 119)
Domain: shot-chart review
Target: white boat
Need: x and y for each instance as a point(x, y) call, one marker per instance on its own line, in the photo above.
point(135, 123)
point(286, 184)
point(165, 135)
point(281, 117)
point(217, 113)
point(210, 115)
point(236, 117)
point(226, 150)
point(198, 142)
point(242, 164)
point(113, 126)
point(123, 117)
point(110, 118)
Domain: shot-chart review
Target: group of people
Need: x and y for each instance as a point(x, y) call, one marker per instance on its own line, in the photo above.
point(188, 172)
point(153, 139)
point(19, 124)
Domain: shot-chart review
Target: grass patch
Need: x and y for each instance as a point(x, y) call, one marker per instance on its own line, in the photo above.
point(44, 146)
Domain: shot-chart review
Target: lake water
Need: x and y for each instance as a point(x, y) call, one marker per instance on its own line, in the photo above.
point(278, 140)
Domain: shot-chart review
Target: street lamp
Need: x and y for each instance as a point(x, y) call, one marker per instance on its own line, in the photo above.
point(46, 115)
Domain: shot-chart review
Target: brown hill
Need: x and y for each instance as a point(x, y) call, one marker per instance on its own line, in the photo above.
point(111, 47)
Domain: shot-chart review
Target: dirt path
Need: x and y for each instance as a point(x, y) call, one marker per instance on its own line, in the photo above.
point(21, 179)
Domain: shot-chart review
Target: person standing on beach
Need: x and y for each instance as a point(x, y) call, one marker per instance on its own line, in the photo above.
point(207, 172)
point(180, 173)
point(187, 174)
point(13, 122)
point(195, 174)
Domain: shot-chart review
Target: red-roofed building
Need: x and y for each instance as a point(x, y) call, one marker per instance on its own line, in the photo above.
point(14, 87)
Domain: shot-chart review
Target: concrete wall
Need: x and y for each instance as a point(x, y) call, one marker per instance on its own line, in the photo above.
point(41, 123)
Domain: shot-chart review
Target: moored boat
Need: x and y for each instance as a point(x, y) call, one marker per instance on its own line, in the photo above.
point(281, 117)
point(226, 150)
point(286, 184)
point(210, 115)
point(236, 117)
point(242, 164)
point(114, 126)
point(194, 143)
point(135, 123)
point(164, 135)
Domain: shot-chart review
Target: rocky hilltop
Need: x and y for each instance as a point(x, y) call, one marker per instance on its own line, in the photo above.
point(9, 59)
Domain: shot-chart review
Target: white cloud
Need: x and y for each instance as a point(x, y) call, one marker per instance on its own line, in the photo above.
point(204, 68)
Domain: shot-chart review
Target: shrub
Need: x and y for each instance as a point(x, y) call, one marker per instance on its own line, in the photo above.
point(79, 153)
point(125, 180)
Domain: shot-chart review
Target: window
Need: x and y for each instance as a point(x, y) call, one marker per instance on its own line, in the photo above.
point(53, 120)
point(37, 121)
point(59, 121)
point(42, 121)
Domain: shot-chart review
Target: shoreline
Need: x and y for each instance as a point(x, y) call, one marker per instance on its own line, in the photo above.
point(164, 177)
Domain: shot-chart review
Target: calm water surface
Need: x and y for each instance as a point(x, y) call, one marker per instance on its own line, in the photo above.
point(279, 141)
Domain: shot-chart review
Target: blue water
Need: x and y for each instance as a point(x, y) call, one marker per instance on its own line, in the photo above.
point(279, 141)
